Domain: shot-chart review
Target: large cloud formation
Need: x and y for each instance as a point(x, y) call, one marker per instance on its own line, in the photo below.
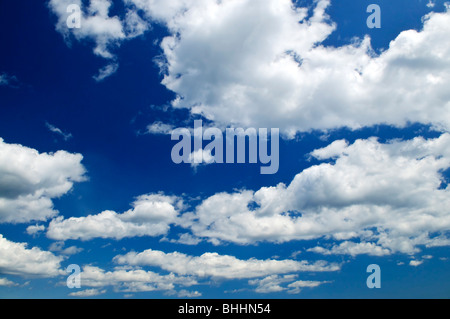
point(151, 215)
point(261, 64)
point(17, 259)
point(29, 180)
point(388, 197)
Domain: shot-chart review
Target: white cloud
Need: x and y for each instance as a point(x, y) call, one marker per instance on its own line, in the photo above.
point(201, 157)
point(184, 239)
point(4, 282)
point(219, 266)
point(29, 180)
point(261, 64)
point(97, 26)
point(17, 259)
point(415, 263)
point(35, 230)
point(353, 249)
point(188, 294)
point(132, 280)
point(151, 215)
point(59, 247)
point(276, 283)
point(271, 284)
point(88, 293)
point(159, 128)
point(54, 129)
point(106, 71)
point(389, 196)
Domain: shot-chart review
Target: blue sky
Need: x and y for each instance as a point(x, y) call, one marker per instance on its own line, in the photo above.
point(86, 175)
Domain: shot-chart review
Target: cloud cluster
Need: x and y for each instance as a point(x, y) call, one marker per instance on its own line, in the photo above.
point(389, 197)
point(262, 64)
point(375, 198)
point(217, 266)
point(17, 259)
point(277, 283)
point(98, 27)
point(151, 215)
point(123, 279)
point(29, 180)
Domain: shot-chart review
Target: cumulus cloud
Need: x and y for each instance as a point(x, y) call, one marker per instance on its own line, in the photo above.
point(219, 266)
point(87, 293)
point(151, 215)
point(276, 283)
point(132, 280)
point(262, 64)
point(159, 128)
point(390, 197)
point(7, 283)
point(352, 249)
point(29, 180)
point(17, 259)
point(98, 27)
point(59, 247)
point(35, 230)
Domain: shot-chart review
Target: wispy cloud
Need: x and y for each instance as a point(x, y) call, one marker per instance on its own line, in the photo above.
point(106, 71)
point(54, 129)
point(8, 80)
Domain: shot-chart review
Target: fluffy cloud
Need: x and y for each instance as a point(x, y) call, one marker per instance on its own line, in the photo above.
point(159, 128)
point(17, 259)
point(353, 249)
point(97, 26)
point(219, 266)
point(261, 64)
point(391, 197)
point(87, 293)
point(29, 180)
point(132, 280)
point(59, 247)
point(6, 283)
point(275, 283)
point(151, 215)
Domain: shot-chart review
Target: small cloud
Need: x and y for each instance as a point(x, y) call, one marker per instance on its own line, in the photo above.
point(59, 247)
point(87, 293)
point(106, 71)
point(415, 263)
point(189, 294)
point(7, 283)
point(35, 230)
point(431, 4)
point(7, 80)
point(201, 157)
point(159, 128)
point(185, 239)
point(54, 129)
point(295, 254)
